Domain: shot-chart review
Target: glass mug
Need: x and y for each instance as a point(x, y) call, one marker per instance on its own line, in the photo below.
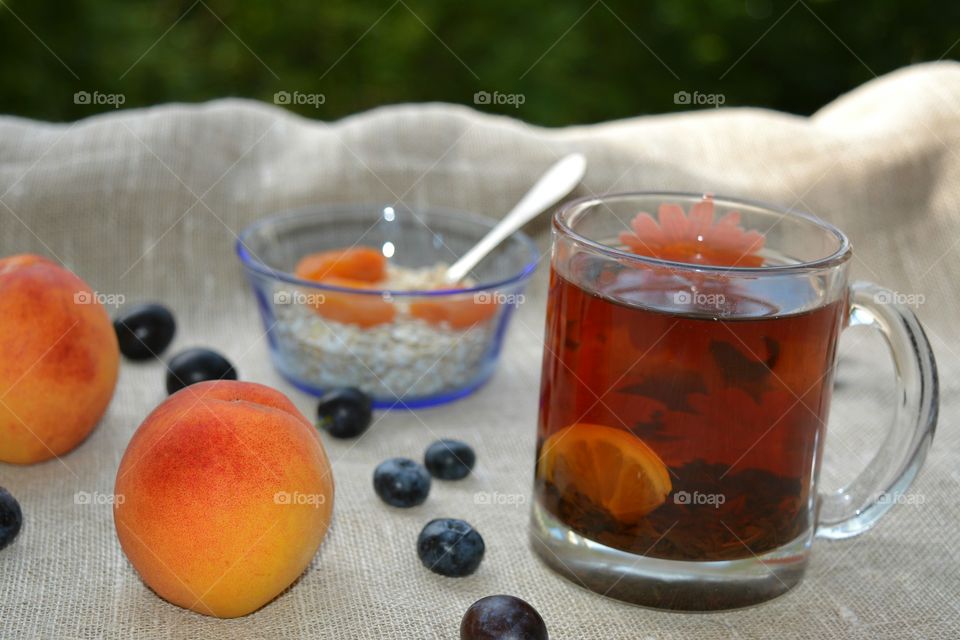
point(687, 374)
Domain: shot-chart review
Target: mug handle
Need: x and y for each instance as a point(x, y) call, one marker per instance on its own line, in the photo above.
point(856, 507)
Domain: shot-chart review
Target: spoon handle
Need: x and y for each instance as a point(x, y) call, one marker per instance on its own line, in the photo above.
point(557, 182)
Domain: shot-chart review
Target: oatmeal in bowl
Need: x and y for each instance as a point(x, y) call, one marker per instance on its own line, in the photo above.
point(356, 295)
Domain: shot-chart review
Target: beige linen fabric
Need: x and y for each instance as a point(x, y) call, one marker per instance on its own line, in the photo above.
point(147, 204)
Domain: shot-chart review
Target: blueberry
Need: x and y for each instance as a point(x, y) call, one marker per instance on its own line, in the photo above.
point(450, 547)
point(449, 459)
point(197, 365)
point(401, 482)
point(502, 618)
point(144, 331)
point(11, 518)
point(345, 412)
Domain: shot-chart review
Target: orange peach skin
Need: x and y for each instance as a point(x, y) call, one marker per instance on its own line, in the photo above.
point(223, 497)
point(58, 359)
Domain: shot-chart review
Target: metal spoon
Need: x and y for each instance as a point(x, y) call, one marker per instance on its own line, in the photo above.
point(558, 181)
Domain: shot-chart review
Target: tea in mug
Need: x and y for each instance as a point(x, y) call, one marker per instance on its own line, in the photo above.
point(680, 435)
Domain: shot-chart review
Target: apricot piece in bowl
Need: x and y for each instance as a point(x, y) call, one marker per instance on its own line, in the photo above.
point(461, 312)
point(223, 497)
point(362, 309)
point(356, 263)
point(350, 268)
point(58, 359)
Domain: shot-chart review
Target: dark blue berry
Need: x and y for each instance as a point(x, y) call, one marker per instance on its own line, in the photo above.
point(502, 618)
point(11, 518)
point(450, 547)
point(144, 331)
point(197, 365)
point(401, 482)
point(345, 412)
point(449, 459)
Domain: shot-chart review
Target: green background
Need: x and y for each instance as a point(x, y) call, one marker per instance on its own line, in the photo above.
point(572, 62)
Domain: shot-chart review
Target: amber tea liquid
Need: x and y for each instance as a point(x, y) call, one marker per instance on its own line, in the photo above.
point(734, 405)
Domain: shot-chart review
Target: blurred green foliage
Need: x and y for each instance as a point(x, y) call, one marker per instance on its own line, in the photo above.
point(572, 62)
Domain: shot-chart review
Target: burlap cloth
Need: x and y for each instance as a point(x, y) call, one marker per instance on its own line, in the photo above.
point(147, 204)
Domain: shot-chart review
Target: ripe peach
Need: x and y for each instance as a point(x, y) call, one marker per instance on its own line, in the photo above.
point(58, 359)
point(223, 497)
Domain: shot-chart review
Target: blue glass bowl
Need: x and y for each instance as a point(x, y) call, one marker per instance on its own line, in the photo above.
point(407, 362)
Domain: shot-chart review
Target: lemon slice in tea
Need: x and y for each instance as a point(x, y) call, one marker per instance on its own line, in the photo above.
point(611, 467)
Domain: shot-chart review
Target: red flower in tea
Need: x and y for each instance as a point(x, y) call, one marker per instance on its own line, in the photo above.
point(695, 237)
